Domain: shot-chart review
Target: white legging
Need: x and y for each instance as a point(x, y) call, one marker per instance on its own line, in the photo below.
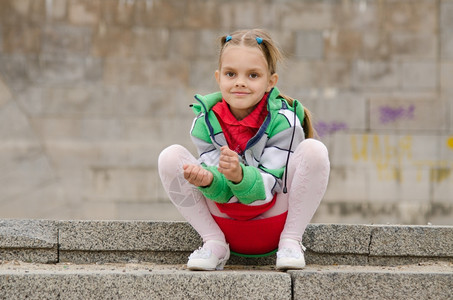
point(308, 174)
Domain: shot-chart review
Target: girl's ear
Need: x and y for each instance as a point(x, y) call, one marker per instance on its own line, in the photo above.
point(272, 82)
point(217, 76)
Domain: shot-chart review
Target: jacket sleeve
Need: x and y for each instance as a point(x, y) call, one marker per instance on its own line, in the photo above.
point(209, 155)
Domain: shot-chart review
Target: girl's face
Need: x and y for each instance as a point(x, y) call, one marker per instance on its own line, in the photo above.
point(244, 78)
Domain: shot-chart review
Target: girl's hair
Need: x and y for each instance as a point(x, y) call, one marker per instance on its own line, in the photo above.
point(261, 39)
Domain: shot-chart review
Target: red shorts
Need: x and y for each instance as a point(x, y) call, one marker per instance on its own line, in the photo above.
point(252, 237)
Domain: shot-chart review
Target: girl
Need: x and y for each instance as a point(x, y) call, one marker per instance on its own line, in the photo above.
point(260, 176)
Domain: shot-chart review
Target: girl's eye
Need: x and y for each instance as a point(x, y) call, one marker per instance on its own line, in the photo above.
point(253, 75)
point(229, 74)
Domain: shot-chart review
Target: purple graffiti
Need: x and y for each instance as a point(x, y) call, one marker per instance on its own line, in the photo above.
point(391, 114)
point(325, 128)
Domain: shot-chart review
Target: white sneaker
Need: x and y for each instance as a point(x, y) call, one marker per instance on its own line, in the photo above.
point(203, 259)
point(288, 258)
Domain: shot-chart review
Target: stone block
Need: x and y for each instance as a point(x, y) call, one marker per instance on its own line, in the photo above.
point(442, 185)
point(376, 75)
point(371, 284)
point(410, 16)
point(14, 124)
point(328, 121)
point(202, 15)
point(5, 93)
point(446, 73)
point(420, 76)
point(29, 240)
point(322, 259)
point(446, 14)
point(124, 184)
point(384, 183)
point(13, 10)
point(127, 236)
point(90, 209)
point(66, 39)
point(183, 44)
point(446, 32)
point(342, 44)
point(138, 43)
point(446, 48)
point(347, 184)
point(414, 185)
point(14, 71)
point(357, 15)
point(118, 13)
point(83, 12)
point(202, 71)
point(160, 210)
point(335, 238)
point(208, 45)
point(64, 70)
point(105, 131)
point(23, 38)
point(65, 102)
point(147, 284)
point(394, 183)
point(309, 45)
point(414, 46)
point(440, 213)
point(56, 10)
point(143, 101)
point(245, 16)
point(375, 45)
point(168, 73)
point(307, 15)
point(49, 200)
point(25, 176)
point(424, 241)
point(420, 150)
point(316, 74)
point(167, 14)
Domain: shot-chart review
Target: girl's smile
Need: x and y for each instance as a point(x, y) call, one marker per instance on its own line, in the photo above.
point(244, 78)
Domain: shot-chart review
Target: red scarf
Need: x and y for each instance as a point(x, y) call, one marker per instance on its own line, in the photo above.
point(238, 133)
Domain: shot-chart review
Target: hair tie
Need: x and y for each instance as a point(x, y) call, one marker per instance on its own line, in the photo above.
point(228, 38)
point(259, 40)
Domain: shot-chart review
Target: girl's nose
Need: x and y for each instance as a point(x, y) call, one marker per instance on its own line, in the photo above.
point(240, 81)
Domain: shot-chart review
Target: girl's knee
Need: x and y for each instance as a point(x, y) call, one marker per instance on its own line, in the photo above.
point(314, 150)
point(169, 158)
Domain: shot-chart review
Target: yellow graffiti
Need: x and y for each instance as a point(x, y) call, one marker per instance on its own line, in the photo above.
point(362, 153)
point(450, 142)
point(391, 154)
point(440, 174)
point(383, 154)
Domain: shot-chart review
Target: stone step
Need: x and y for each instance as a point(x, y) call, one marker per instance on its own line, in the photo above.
point(19, 280)
point(46, 241)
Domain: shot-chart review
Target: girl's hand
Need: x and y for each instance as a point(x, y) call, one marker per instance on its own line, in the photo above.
point(229, 165)
point(197, 175)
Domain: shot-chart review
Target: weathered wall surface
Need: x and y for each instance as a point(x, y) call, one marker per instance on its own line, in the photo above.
point(92, 90)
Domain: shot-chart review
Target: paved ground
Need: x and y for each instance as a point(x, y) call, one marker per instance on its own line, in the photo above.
point(19, 267)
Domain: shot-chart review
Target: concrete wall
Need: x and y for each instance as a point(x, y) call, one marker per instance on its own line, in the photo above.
point(92, 90)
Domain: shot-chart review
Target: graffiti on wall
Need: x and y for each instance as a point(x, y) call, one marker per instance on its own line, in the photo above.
point(328, 128)
point(391, 154)
point(450, 143)
point(389, 114)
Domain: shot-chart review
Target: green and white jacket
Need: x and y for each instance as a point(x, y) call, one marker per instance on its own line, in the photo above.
point(265, 157)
